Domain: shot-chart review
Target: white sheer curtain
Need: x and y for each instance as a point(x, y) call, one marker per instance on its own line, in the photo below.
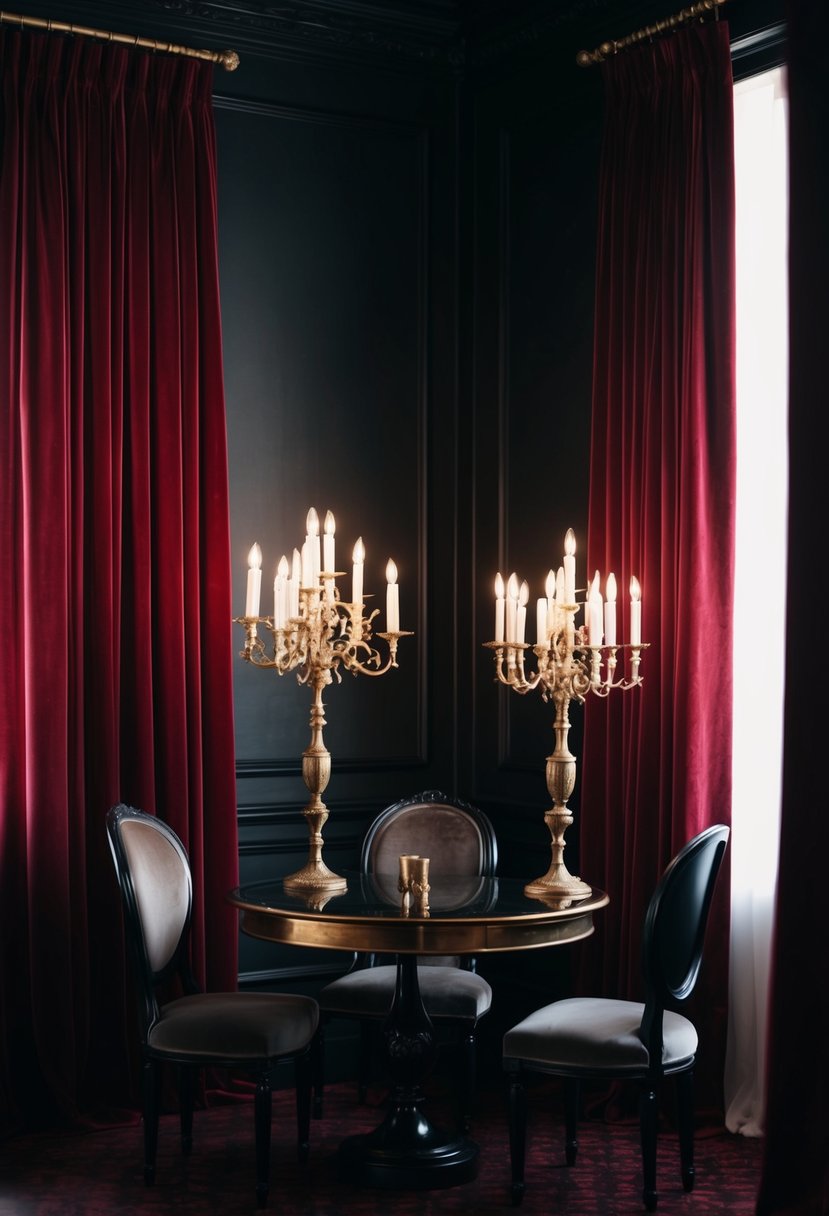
point(760, 139)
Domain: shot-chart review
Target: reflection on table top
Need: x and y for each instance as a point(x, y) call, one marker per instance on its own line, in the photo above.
point(466, 916)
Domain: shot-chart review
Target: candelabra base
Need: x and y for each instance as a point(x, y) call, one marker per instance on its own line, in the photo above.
point(315, 876)
point(559, 884)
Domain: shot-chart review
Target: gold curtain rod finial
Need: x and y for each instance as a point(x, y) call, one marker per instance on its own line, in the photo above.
point(229, 60)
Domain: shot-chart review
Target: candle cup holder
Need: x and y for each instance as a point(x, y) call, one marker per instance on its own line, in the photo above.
point(567, 670)
point(326, 636)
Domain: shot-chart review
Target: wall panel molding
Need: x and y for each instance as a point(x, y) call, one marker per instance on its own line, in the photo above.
point(414, 150)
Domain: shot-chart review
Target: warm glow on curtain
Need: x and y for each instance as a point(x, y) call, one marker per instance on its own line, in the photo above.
point(657, 762)
point(114, 579)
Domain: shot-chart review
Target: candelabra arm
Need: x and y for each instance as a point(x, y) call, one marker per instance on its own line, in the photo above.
point(316, 772)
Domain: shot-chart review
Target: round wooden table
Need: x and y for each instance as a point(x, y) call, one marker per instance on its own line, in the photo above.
point(465, 916)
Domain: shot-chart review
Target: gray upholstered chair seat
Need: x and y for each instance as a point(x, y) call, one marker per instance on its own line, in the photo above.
point(597, 1035)
point(254, 1025)
point(448, 992)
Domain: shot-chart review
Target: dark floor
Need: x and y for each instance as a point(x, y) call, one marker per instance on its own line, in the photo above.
point(99, 1173)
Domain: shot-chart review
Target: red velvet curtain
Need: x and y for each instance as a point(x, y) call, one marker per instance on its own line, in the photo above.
point(114, 579)
point(796, 1161)
point(657, 760)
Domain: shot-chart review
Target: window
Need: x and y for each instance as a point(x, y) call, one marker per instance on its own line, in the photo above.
point(760, 139)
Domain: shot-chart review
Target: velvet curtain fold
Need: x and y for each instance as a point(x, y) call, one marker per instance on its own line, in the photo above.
point(795, 1179)
point(114, 579)
point(657, 761)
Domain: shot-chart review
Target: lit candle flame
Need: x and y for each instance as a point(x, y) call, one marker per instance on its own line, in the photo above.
point(329, 523)
point(499, 587)
point(312, 523)
point(359, 554)
point(391, 572)
point(255, 558)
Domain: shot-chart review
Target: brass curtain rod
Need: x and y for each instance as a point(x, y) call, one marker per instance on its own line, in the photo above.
point(228, 59)
point(586, 59)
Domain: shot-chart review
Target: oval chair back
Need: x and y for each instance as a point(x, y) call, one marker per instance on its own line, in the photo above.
point(674, 930)
point(153, 873)
point(456, 837)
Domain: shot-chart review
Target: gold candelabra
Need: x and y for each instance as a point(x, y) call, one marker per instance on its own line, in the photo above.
point(315, 634)
point(571, 663)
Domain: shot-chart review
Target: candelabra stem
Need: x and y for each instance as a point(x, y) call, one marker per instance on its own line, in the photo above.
point(561, 778)
point(316, 772)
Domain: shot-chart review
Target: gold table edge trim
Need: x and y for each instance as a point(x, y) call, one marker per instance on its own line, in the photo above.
point(416, 935)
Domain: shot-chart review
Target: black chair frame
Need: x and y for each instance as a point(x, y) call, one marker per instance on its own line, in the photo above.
point(673, 938)
point(178, 970)
point(466, 1030)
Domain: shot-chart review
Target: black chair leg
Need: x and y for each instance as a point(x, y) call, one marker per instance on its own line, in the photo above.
point(318, 1066)
point(571, 1119)
point(647, 1130)
point(304, 1070)
point(150, 1083)
point(364, 1066)
point(185, 1098)
point(466, 1088)
point(685, 1121)
point(262, 1115)
point(517, 1136)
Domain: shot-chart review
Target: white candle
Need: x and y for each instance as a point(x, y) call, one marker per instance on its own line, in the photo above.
point(358, 557)
point(296, 579)
point(392, 600)
point(635, 613)
point(499, 608)
point(594, 620)
point(280, 594)
point(512, 608)
point(610, 611)
point(570, 567)
point(312, 523)
point(521, 616)
point(328, 544)
point(542, 609)
point(550, 588)
point(307, 569)
point(254, 586)
point(559, 615)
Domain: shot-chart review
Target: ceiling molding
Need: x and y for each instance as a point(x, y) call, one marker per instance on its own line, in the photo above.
point(428, 34)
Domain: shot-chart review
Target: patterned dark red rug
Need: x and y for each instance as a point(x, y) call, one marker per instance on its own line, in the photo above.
point(99, 1174)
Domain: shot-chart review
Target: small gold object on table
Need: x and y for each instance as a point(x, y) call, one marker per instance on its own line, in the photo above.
point(570, 663)
point(315, 633)
point(413, 884)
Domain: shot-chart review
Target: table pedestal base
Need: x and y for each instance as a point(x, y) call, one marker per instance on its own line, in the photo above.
point(406, 1151)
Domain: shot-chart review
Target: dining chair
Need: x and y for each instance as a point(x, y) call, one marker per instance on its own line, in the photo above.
point(460, 841)
point(593, 1038)
point(248, 1031)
